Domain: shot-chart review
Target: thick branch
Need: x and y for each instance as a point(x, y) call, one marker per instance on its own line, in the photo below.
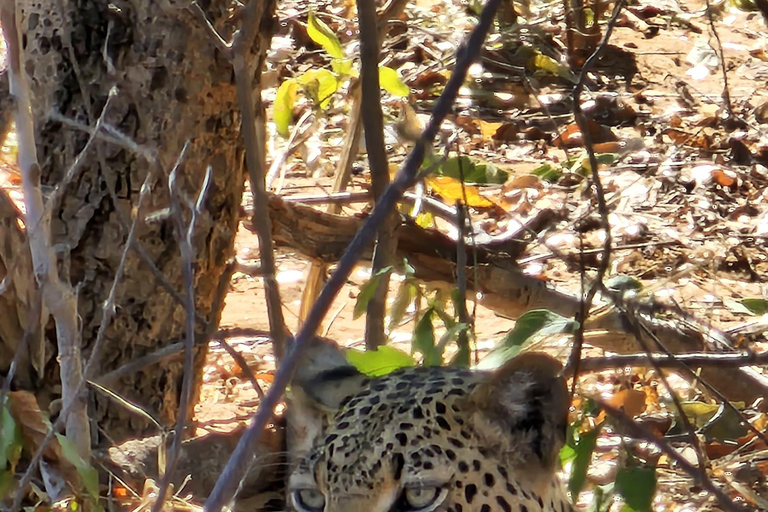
point(504, 288)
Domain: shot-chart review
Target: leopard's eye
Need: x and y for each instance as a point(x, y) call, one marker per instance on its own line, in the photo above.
point(420, 498)
point(308, 500)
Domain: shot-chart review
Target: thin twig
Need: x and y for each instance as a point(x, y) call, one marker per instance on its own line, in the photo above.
point(231, 478)
point(693, 359)
point(464, 355)
point(602, 206)
point(253, 129)
point(184, 234)
point(726, 94)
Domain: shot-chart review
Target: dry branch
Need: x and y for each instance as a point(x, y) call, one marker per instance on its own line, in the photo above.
point(58, 296)
point(504, 288)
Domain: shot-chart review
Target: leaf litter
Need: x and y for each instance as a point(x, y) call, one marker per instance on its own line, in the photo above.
point(688, 195)
point(686, 189)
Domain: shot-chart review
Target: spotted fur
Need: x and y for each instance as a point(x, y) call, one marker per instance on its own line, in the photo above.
point(426, 439)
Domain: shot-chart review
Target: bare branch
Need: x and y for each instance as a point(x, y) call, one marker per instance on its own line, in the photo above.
point(58, 296)
point(253, 130)
point(186, 248)
point(232, 476)
point(602, 206)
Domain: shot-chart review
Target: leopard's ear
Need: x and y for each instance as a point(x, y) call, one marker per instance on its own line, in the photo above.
point(322, 380)
point(524, 405)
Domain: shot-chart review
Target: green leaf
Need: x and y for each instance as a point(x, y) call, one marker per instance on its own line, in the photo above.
point(10, 441)
point(623, 283)
point(637, 485)
point(532, 325)
point(367, 291)
point(717, 421)
point(405, 296)
point(425, 220)
point(381, 361)
point(448, 320)
point(322, 34)
point(390, 82)
point(756, 306)
point(582, 449)
point(463, 166)
point(344, 67)
point(423, 340)
point(745, 5)
point(548, 172)
point(550, 65)
point(580, 164)
point(489, 173)
point(408, 269)
point(282, 110)
point(87, 473)
point(538, 321)
point(320, 85)
point(6, 482)
point(603, 497)
point(450, 334)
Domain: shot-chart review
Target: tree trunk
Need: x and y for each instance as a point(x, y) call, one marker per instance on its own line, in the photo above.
point(172, 87)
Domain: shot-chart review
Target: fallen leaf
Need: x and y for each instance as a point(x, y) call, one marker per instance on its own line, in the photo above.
point(571, 137)
point(34, 426)
point(450, 190)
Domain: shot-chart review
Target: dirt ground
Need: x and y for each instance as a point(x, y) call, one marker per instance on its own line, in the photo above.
point(689, 214)
point(688, 195)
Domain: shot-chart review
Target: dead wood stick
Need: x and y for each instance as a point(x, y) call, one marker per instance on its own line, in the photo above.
point(58, 295)
point(501, 285)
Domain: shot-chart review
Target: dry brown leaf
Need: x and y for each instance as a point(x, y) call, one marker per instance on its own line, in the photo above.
point(265, 376)
point(505, 133)
point(632, 401)
point(724, 178)
point(33, 425)
point(428, 79)
point(571, 137)
point(524, 181)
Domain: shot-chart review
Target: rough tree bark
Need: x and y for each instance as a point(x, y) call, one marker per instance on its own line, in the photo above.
point(172, 87)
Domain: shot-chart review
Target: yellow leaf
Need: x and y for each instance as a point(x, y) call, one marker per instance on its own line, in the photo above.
point(487, 129)
point(450, 190)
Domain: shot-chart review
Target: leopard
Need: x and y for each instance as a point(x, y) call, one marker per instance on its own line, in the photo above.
point(429, 438)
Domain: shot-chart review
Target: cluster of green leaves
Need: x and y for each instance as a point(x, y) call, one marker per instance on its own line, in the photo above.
point(439, 307)
point(635, 482)
point(319, 85)
point(21, 428)
point(579, 164)
point(472, 171)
